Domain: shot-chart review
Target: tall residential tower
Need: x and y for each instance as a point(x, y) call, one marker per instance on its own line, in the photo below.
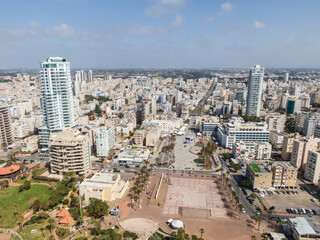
point(56, 98)
point(254, 91)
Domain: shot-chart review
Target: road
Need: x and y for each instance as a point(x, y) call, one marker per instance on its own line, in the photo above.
point(206, 96)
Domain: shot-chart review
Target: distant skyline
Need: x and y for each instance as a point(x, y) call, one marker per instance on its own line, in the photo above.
point(105, 34)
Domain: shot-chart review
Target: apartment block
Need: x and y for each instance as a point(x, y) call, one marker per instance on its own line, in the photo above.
point(6, 135)
point(105, 140)
point(300, 151)
point(287, 146)
point(312, 170)
point(259, 175)
point(69, 151)
point(284, 175)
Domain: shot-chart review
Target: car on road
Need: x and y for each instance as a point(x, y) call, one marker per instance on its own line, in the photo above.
point(256, 212)
point(243, 210)
point(192, 172)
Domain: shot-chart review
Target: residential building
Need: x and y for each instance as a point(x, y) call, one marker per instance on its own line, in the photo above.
point(237, 130)
point(247, 151)
point(30, 144)
point(56, 98)
point(312, 170)
point(287, 146)
point(6, 135)
point(284, 175)
point(310, 124)
point(69, 151)
point(259, 176)
point(139, 137)
point(104, 186)
point(254, 91)
point(300, 151)
point(276, 122)
point(276, 138)
point(294, 105)
point(152, 137)
point(105, 140)
point(317, 132)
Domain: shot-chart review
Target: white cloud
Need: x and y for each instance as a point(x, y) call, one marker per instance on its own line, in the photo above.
point(64, 31)
point(177, 21)
point(155, 11)
point(138, 30)
point(258, 25)
point(226, 7)
point(173, 2)
point(210, 19)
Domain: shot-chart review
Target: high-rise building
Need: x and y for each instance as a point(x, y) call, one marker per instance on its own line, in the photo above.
point(312, 171)
point(310, 124)
point(90, 76)
point(300, 151)
point(56, 98)
point(69, 151)
point(105, 140)
point(286, 77)
point(254, 91)
point(6, 137)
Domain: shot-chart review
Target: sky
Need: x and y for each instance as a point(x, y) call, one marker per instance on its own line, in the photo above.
point(108, 34)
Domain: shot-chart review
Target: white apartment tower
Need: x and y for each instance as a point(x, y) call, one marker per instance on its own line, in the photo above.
point(90, 76)
point(105, 140)
point(56, 97)
point(254, 91)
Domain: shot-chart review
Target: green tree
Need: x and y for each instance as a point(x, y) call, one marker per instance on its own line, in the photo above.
point(257, 218)
point(253, 196)
point(253, 237)
point(97, 208)
point(201, 232)
point(51, 224)
point(240, 207)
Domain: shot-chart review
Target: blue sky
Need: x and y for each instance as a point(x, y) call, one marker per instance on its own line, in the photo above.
point(160, 33)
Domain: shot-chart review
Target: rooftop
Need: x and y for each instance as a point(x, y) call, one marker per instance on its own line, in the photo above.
point(302, 226)
point(255, 167)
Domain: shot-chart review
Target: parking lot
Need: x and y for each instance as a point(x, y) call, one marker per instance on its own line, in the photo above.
point(184, 159)
point(283, 201)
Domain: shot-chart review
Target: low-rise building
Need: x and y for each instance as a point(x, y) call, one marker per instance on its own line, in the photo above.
point(132, 156)
point(139, 137)
point(276, 122)
point(103, 186)
point(30, 144)
point(304, 228)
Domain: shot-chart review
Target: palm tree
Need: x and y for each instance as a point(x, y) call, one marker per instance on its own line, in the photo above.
point(240, 207)
point(201, 232)
point(258, 220)
point(221, 171)
point(41, 229)
point(279, 222)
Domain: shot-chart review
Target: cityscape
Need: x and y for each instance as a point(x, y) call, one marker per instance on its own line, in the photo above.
point(118, 124)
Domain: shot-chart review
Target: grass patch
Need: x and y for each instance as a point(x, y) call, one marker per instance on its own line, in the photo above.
point(38, 235)
point(11, 197)
point(255, 167)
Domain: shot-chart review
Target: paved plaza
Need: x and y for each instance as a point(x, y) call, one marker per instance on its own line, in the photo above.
point(143, 226)
point(187, 193)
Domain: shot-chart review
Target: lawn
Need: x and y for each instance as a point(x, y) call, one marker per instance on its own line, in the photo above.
point(255, 167)
point(27, 235)
point(11, 198)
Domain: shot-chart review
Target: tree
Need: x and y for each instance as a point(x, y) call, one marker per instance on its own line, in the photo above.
point(25, 186)
point(253, 237)
point(97, 208)
point(240, 207)
point(36, 205)
point(253, 196)
point(120, 115)
point(257, 218)
point(201, 232)
point(245, 183)
point(279, 222)
point(289, 125)
point(51, 224)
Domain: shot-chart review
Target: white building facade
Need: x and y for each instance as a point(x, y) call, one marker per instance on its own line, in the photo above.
point(105, 140)
point(254, 91)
